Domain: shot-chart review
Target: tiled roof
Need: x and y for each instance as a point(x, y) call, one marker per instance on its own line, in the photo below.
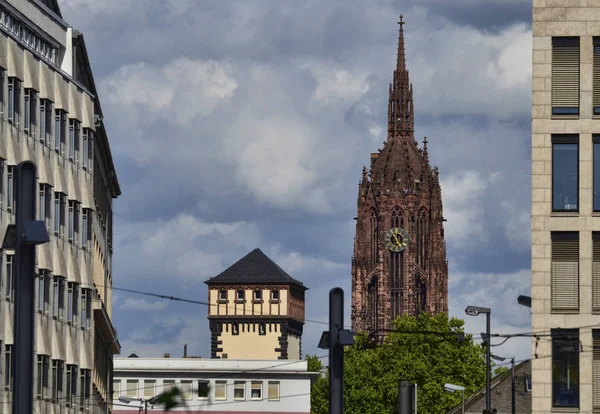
point(255, 267)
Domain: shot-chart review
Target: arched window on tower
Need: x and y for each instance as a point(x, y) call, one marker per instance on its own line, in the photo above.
point(373, 238)
point(418, 240)
point(372, 304)
point(396, 268)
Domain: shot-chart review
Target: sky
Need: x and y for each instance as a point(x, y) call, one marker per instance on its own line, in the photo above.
point(243, 124)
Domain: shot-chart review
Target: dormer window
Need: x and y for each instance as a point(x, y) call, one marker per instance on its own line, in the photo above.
point(257, 294)
point(275, 294)
point(239, 295)
point(222, 295)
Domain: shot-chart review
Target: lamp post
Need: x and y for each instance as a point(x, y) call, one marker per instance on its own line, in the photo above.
point(144, 401)
point(512, 370)
point(476, 311)
point(454, 388)
point(524, 300)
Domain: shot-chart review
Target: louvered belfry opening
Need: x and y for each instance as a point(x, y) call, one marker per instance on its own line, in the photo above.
point(596, 369)
point(565, 271)
point(596, 79)
point(596, 272)
point(565, 75)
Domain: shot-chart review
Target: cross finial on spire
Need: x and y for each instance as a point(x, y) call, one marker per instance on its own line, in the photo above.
point(401, 64)
point(401, 22)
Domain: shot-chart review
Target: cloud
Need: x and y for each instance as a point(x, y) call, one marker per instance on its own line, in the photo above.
point(142, 305)
point(337, 83)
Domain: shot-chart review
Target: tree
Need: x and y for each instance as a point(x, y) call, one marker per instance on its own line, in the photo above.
point(412, 352)
point(500, 371)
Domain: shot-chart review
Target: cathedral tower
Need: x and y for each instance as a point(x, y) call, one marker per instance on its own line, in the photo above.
point(399, 265)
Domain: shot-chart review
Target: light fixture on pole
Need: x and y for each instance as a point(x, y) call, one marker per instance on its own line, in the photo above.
point(476, 311)
point(524, 300)
point(512, 370)
point(144, 401)
point(454, 388)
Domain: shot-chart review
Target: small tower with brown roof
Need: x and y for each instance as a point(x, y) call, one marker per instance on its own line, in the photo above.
point(256, 311)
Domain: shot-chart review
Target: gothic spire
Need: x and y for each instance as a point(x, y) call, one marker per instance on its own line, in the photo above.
point(400, 106)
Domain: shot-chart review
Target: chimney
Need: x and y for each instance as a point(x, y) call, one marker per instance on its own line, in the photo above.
point(185, 350)
point(167, 356)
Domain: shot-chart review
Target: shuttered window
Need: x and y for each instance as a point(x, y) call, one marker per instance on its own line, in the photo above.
point(565, 271)
point(596, 368)
point(565, 76)
point(596, 272)
point(596, 76)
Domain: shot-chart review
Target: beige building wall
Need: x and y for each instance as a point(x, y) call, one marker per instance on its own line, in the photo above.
point(266, 306)
point(249, 344)
point(580, 18)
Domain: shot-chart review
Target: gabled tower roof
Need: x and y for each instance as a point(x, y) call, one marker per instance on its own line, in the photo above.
point(254, 268)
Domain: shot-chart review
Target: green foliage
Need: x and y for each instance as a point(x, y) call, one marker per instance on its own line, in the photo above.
point(371, 376)
point(500, 371)
point(169, 399)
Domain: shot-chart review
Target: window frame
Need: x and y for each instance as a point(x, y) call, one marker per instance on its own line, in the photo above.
point(207, 383)
point(237, 295)
point(257, 295)
point(565, 42)
point(237, 386)
point(149, 385)
point(220, 296)
point(252, 389)
point(565, 139)
point(188, 390)
point(221, 385)
point(275, 297)
point(269, 397)
point(596, 67)
point(572, 335)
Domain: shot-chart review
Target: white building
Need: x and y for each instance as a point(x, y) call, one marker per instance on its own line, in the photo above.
point(215, 385)
point(50, 114)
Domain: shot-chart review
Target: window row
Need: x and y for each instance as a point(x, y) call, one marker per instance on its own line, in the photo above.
point(147, 388)
point(566, 75)
point(28, 36)
point(51, 126)
point(237, 327)
point(240, 295)
point(54, 380)
point(565, 173)
point(51, 300)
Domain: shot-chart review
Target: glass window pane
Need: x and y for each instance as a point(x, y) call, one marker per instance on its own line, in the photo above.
point(168, 385)
point(116, 389)
point(238, 390)
point(256, 390)
point(596, 177)
point(273, 390)
point(149, 388)
point(132, 388)
point(565, 177)
point(220, 390)
point(203, 389)
point(186, 390)
point(565, 369)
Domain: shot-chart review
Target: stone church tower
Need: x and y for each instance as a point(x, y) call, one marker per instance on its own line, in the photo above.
point(399, 265)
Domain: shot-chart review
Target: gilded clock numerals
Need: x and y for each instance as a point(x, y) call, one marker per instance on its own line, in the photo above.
point(396, 239)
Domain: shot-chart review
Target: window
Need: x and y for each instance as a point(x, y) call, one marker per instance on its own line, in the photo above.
point(43, 362)
point(86, 229)
point(222, 295)
point(44, 291)
point(275, 294)
point(256, 390)
point(527, 385)
point(596, 88)
point(58, 368)
point(45, 121)
point(10, 190)
point(14, 99)
point(596, 172)
point(116, 389)
point(565, 368)
point(596, 368)
point(74, 130)
point(565, 173)
point(45, 210)
point(86, 309)
point(239, 390)
point(235, 329)
point(40, 295)
point(258, 295)
point(71, 384)
point(85, 378)
point(149, 388)
point(220, 390)
point(72, 302)
point(58, 297)
point(60, 131)
point(10, 279)
point(273, 391)
point(186, 390)
point(59, 213)
point(30, 112)
point(85, 156)
point(8, 372)
point(240, 295)
point(262, 328)
point(74, 210)
point(565, 271)
point(132, 388)
point(168, 385)
point(596, 272)
point(203, 390)
point(565, 76)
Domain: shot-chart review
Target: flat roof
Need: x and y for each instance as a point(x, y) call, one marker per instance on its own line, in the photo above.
point(209, 364)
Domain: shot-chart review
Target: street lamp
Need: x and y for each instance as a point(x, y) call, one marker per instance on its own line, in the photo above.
point(524, 300)
point(512, 369)
point(476, 311)
point(454, 388)
point(144, 401)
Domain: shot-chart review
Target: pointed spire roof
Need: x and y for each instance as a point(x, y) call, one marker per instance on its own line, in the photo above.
point(255, 267)
point(401, 59)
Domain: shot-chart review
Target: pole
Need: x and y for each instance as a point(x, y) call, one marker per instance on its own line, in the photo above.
point(405, 397)
point(488, 399)
point(24, 320)
point(145, 406)
point(463, 401)
point(513, 385)
point(336, 351)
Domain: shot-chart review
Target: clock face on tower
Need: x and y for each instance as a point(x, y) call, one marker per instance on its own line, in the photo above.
point(396, 239)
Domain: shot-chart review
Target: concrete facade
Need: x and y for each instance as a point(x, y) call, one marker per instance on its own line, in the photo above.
point(50, 114)
point(215, 385)
point(554, 19)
